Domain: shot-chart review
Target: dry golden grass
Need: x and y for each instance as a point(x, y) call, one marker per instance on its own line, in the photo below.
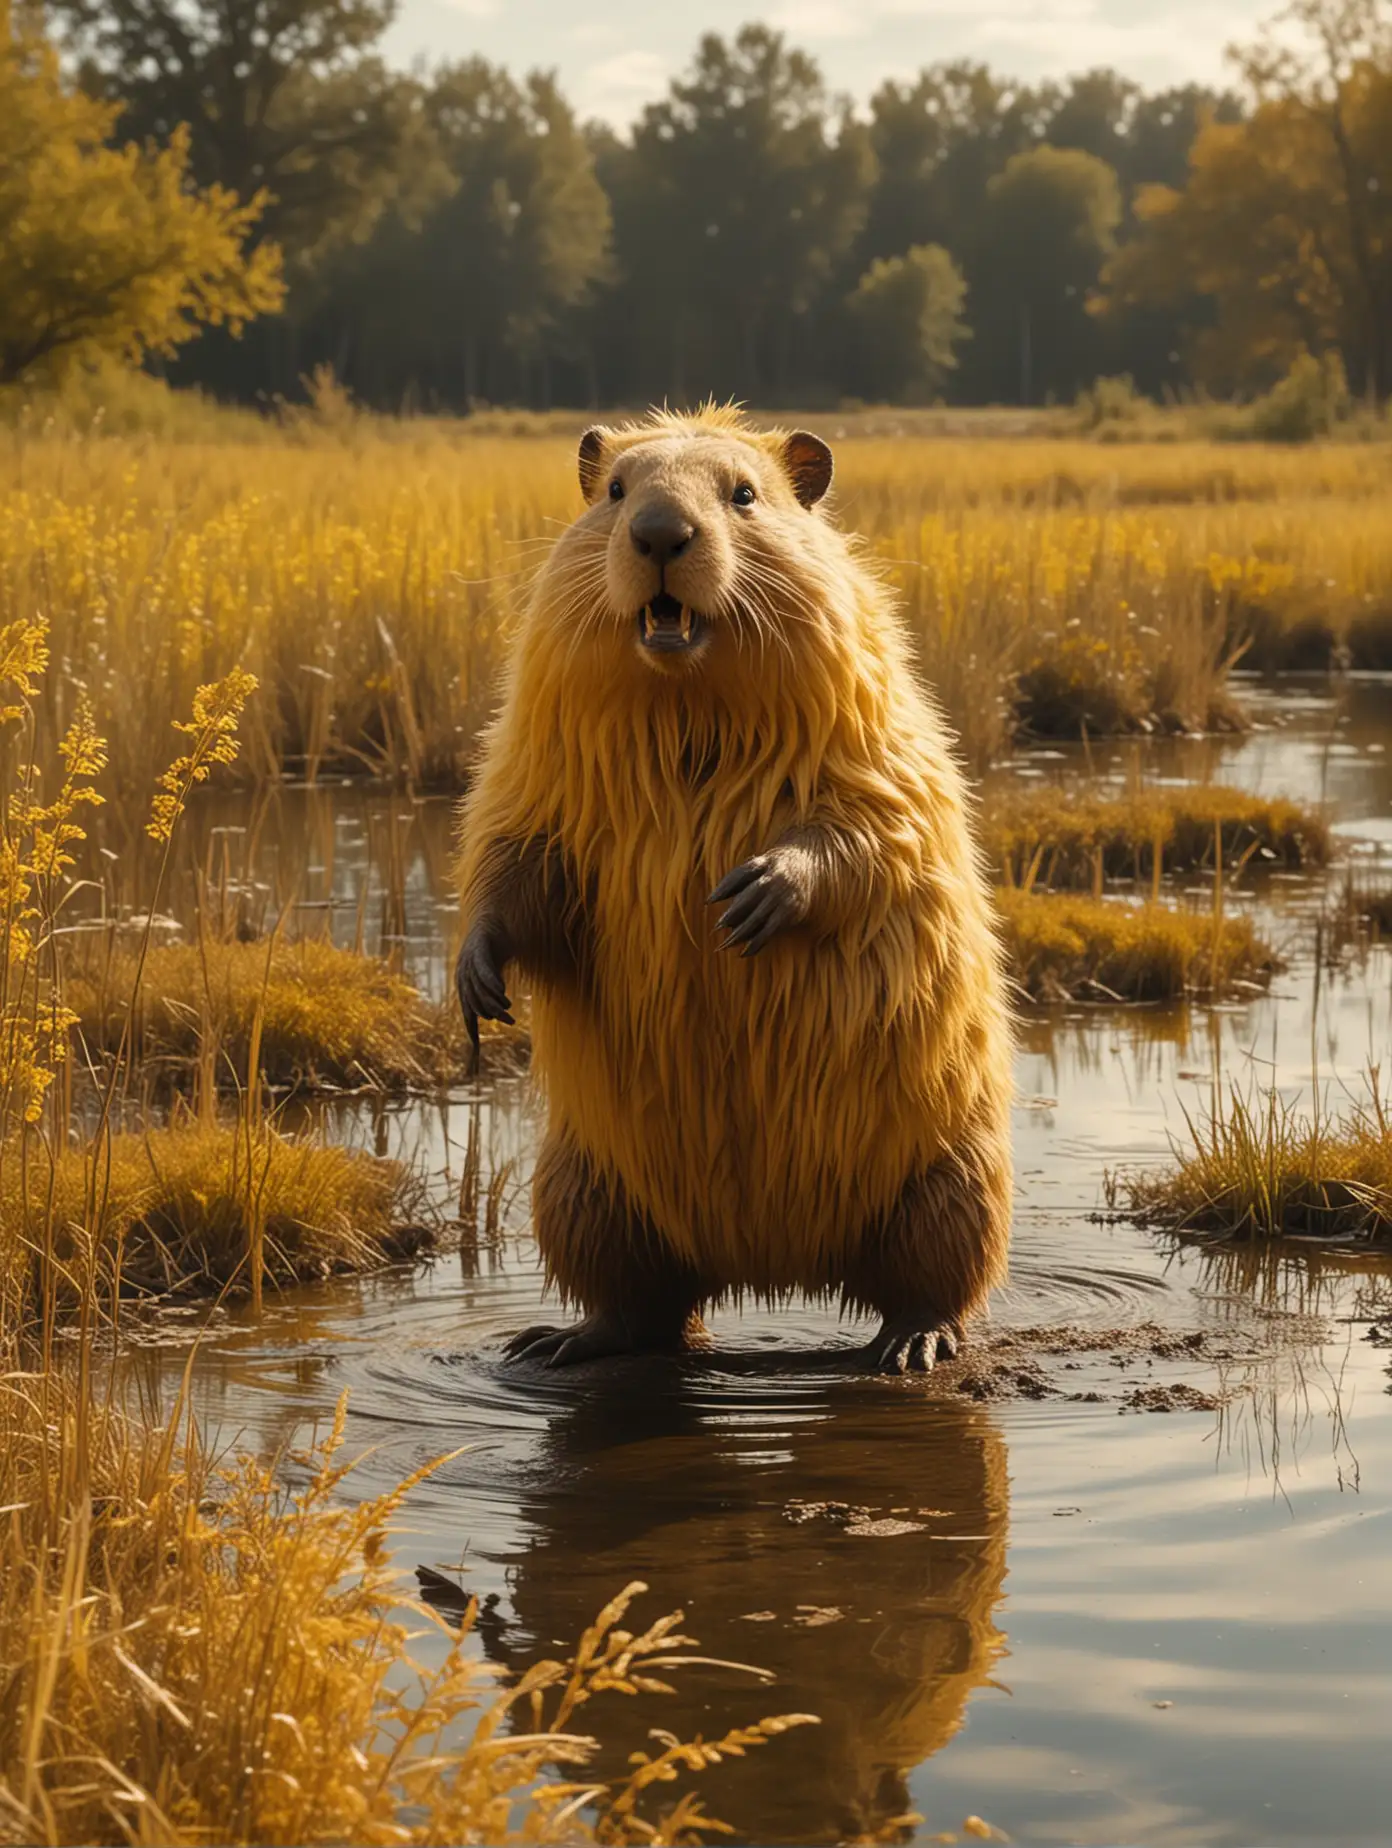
point(323, 1016)
point(195, 1654)
point(369, 575)
point(1259, 1169)
point(200, 1207)
point(1047, 835)
point(1064, 947)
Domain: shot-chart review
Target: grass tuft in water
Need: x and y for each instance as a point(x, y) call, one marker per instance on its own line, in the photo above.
point(185, 1208)
point(1258, 1169)
point(1063, 947)
point(1072, 837)
point(327, 1017)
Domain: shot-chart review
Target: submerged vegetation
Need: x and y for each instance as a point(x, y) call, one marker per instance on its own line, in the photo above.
point(1259, 1169)
point(1071, 837)
point(1063, 947)
point(368, 574)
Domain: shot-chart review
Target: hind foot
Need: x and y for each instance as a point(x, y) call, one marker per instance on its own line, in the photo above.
point(911, 1344)
point(599, 1337)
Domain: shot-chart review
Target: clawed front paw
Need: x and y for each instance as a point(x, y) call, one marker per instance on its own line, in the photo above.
point(478, 981)
point(768, 894)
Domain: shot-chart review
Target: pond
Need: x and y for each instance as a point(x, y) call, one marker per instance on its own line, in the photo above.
point(1143, 1594)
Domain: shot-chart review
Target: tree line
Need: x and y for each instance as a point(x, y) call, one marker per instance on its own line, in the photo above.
point(448, 238)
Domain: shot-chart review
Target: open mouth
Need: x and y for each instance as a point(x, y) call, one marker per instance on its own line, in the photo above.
point(666, 626)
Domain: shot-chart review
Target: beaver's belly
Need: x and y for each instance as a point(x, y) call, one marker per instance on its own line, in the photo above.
point(760, 1111)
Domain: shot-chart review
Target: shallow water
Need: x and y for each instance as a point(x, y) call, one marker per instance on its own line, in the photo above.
point(1085, 1623)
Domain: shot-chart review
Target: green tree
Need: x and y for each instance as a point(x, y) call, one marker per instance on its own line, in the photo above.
point(1094, 113)
point(1162, 130)
point(1047, 227)
point(477, 299)
point(737, 195)
point(282, 98)
point(937, 142)
point(906, 313)
point(108, 251)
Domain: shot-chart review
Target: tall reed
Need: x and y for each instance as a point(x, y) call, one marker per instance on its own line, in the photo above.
point(370, 576)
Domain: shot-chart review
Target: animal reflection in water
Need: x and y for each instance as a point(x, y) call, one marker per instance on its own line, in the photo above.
point(732, 1497)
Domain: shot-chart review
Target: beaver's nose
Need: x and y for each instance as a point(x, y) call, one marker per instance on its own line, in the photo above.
point(660, 533)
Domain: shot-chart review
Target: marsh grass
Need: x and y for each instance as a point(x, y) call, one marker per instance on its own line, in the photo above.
point(189, 1208)
point(1257, 1168)
point(326, 1017)
point(195, 1653)
point(1358, 918)
point(1051, 836)
point(370, 573)
point(1064, 947)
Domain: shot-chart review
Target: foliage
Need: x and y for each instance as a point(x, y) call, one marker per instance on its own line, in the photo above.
point(106, 250)
point(454, 235)
point(1048, 224)
point(1255, 1168)
point(217, 708)
point(743, 188)
point(1061, 947)
point(908, 314)
point(1282, 228)
point(281, 98)
point(1309, 402)
point(466, 301)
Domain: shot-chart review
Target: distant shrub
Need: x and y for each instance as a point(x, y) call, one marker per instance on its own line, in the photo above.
point(1111, 401)
point(1307, 403)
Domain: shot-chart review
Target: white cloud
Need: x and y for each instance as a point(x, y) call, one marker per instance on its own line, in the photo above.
point(615, 89)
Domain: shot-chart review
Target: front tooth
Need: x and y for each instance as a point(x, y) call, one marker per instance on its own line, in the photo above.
point(686, 623)
point(647, 621)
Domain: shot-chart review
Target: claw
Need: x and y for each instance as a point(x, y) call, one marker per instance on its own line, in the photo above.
point(902, 1347)
point(518, 1347)
point(596, 1338)
point(737, 880)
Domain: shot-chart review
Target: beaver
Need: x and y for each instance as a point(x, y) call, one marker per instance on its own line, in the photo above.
point(720, 828)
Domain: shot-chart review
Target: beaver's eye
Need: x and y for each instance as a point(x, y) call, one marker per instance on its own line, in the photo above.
point(743, 495)
point(616, 489)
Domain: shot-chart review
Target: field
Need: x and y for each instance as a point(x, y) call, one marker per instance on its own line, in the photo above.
point(369, 576)
point(244, 668)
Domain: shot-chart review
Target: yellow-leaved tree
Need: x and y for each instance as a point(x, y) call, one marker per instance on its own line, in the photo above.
point(1281, 237)
point(108, 251)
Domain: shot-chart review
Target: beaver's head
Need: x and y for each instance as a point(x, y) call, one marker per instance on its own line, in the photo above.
point(696, 536)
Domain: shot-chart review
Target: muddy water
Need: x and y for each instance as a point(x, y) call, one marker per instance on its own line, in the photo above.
point(1083, 1621)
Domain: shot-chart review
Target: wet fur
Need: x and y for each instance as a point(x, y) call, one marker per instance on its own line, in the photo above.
point(830, 1116)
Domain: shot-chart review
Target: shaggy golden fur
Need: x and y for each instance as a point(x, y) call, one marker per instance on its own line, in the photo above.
point(831, 1114)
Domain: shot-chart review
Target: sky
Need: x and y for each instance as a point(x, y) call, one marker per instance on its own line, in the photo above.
point(613, 58)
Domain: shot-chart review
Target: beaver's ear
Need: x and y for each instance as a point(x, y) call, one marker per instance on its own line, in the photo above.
point(808, 462)
point(591, 456)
